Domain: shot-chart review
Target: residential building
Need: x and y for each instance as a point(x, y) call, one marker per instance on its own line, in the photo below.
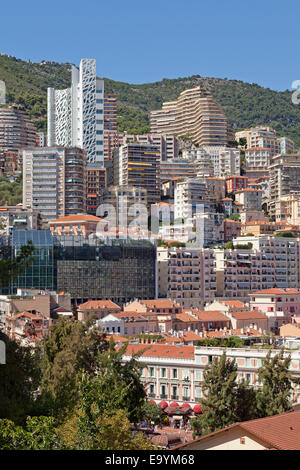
point(257, 157)
point(168, 144)
point(280, 303)
point(99, 308)
point(265, 137)
point(226, 160)
point(177, 168)
point(2, 92)
point(191, 197)
point(16, 217)
point(232, 229)
point(96, 183)
point(284, 172)
point(186, 275)
point(54, 181)
point(138, 165)
point(279, 432)
point(122, 200)
point(81, 224)
point(195, 113)
point(287, 208)
point(112, 140)
point(75, 115)
point(110, 112)
point(175, 372)
point(17, 131)
point(236, 183)
point(111, 324)
point(250, 198)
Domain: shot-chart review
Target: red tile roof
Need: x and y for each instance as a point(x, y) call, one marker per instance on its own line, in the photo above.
point(162, 350)
point(280, 432)
point(98, 304)
point(282, 291)
point(159, 303)
point(252, 314)
point(76, 218)
point(233, 303)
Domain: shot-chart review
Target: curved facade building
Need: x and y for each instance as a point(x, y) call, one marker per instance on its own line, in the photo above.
point(17, 131)
point(196, 113)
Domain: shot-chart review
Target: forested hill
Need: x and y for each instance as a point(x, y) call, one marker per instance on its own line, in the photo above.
point(244, 104)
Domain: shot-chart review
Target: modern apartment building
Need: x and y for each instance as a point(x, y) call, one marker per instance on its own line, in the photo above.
point(192, 195)
point(257, 263)
point(265, 137)
point(186, 275)
point(54, 181)
point(112, 140)
point(284, 171)
point(76, 114)
point(138, 165)
point(177, 168)
point(226, 161)
point(121, 198)
point(96, 183)
point(110, 112)
point(17, 131)
point(168, 144)
point(257, 157)
point(196, 113)
point(287, 208)
point(2, 92)
point(250, 199)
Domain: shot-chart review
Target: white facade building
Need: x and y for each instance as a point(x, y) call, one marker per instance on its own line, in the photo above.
point(75, 115)
point(2, 92)
point(226, 160)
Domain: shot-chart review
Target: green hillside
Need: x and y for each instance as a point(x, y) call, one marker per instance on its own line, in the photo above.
point(244, 104)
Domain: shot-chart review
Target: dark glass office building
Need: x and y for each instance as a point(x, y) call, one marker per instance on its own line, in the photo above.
point(87, 268)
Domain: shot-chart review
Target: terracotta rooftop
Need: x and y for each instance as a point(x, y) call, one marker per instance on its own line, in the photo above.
point(282, 291)
point(162, 350)
point(251, 314)
point(98, 304)
point(233, 303)
point(159, 303)
point(279, 432)
point(76, 218)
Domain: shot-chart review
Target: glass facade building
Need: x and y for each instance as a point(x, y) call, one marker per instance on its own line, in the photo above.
point(88, 269)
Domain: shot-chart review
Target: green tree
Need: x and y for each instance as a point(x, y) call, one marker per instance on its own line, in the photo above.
point(71, 347)
point(220, 402)
point(276, 385)
point(19, 379)
point(38, 434)
point(117, 385)
point(224, 399)
point(152, 412)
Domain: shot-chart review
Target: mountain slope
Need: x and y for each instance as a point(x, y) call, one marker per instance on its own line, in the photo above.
point(244, 104)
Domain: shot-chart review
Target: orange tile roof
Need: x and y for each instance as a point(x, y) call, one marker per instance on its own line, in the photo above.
point(279, 432)
point(162, 350)
point(27, 314)
point(98, 304)
point(117, 338)
point(233, 303)
point(159, 303)
point(282, 291)
point(251, 314)
point(76, 218)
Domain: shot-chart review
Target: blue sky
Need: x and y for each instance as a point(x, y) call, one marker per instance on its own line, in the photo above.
point(147, 40)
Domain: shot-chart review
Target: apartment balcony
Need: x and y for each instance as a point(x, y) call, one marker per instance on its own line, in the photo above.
point(163, 396)
point(175, 397)
point(151, 395)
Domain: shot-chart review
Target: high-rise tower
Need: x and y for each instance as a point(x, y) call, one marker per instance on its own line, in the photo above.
point(75, 115)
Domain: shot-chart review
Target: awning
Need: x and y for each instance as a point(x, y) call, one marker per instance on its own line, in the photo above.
point(173, 404)
point(197, 409)
point(163, 404)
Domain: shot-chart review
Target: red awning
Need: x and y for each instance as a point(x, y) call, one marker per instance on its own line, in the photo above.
point(185, 404)
point(163, 404)
point(174, 403)
point(197, 409)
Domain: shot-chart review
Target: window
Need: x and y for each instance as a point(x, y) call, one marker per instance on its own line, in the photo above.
point(174, 373)
point(163, 372)
point(151, 371)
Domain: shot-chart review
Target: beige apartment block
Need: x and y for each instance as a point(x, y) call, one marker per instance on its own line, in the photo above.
point(287, 209)
point(284, 173)
point(196, 113)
